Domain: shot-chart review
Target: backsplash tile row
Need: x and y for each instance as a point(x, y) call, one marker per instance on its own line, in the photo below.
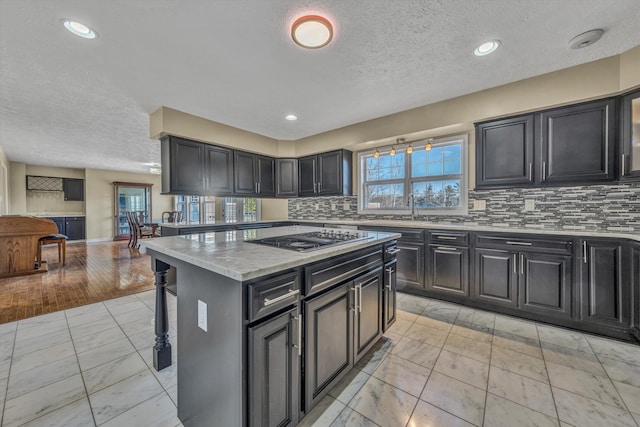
point(613, 207)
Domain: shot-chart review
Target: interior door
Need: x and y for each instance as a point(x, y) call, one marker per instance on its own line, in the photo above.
point(132, 197)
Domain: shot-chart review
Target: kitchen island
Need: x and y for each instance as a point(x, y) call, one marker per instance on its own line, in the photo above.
point(265, 332)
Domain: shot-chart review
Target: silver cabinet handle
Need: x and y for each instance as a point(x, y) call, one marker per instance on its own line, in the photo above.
point(258, 188)
point(515, 263)
point(447, 238)
point(447, 248)
point(622, 173)
point(390, 271)
point(530, 171)
point(521, 263)
point(359, 298)
point(299, 346)
point(355, 299)
point(544, 171)
point(584, 251)
point(292, 292)
point(519, 243)
point(393, 251)
point(314, 187)
point(319, 187)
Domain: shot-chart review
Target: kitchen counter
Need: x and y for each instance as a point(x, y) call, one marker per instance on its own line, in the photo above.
point(228, 254)
point(52, 214)
point(183, 225)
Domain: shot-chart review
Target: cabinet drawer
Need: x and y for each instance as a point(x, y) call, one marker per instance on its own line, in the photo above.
point(407, 233)
point(339, 269)
point(455, 238)
point(268, 296)
point(524, 243)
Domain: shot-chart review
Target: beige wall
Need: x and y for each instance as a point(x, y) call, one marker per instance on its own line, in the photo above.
point(17, 188)
point(53, 202)
point(100, 200)
point(274, 209)
point(4, 183)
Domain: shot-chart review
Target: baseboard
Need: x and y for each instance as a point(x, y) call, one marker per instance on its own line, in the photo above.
point(101, 240)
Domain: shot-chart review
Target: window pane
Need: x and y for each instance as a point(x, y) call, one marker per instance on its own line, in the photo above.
point(419, 163)
point(452, 151)
point(194, 212)
point(385, 167)
point(384, 196)
point(452, 167)
point(434, 168)
point(435, 155)
point(437, 194)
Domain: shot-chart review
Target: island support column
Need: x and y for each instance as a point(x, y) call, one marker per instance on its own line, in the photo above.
point(162, 347)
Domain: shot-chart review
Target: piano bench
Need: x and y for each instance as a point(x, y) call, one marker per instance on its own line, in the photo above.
point(51, 239)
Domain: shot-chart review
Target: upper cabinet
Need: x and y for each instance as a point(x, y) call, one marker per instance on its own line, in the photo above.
point(73, 189)
point(254, 174)
point(630, 134)
point(569, 145)
point(218, 170)
point(325, 174)
point(287, 177)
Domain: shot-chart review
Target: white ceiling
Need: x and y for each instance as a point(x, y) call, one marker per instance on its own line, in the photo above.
point(66, 101)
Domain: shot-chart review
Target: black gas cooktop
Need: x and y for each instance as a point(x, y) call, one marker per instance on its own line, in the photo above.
point(313, 240)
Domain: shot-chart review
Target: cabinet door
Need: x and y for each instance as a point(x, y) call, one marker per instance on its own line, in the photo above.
point(448, 268)
point(410, 264)
point(630, 126)
point(546, 284)
point(244, 173)
point(186, 166)
point(73, 189)
point(286, 177)
point(504, 152)
point(604, 297)
point(328, 342)
point(266, 174)
point(218, 170)
point(75, 228)
point(368, 311)
point(60, 223)
point(635, 283)
point(578, 143)
point(329, 173)
point(274, 374)
point(496, 278)
point(390, 274)
point(307, 176)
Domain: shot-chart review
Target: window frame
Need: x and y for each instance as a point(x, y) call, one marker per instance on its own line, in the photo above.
point(408, 181)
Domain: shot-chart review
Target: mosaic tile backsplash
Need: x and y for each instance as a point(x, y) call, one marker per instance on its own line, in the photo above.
point(593, 208)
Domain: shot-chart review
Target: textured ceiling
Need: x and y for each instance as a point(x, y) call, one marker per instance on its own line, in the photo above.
point(66, 101)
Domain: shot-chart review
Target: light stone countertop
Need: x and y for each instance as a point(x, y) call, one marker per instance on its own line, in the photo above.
point(211, 224)
point(228, 254)
point(52, 214)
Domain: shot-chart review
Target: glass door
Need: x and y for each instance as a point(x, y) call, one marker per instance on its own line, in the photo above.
point(630, 162)
point(131, 197)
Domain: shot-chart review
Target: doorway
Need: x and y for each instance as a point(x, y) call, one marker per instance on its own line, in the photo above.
point(130, 197)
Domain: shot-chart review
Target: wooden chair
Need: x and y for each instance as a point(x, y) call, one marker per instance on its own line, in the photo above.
point(51, 239)
point(172, 216)
point(136, 231)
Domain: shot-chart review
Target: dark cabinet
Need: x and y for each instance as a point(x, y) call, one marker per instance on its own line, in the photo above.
point(496, 277)
point(60, 223)
point(218, 170)
point(254, 174)
point(448, 270)
point(604, 296)
point(546, 284)
point(73, 189)
point(389, 294)
point(325, 174)
point(410, 271)
point(368, 308)
point(635, 288)
point(505, 152)
point(274, 371)
point(75, 228)
point(286, 177)
point(328, 342)
point(182, 166)
point(578, 143)
point(630, 136)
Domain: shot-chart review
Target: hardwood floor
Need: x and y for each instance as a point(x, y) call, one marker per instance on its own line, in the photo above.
point(93, 273)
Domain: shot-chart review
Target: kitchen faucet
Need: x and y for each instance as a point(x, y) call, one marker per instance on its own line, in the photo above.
point(411, 202)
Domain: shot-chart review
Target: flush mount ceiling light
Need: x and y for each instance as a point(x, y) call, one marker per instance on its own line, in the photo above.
point(585, 39)
point(487, 47)
point(312, 31)
point(291, 117)
point(79, 29)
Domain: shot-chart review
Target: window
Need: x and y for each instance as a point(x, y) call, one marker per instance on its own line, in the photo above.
point(202, 209)
point(436, 179)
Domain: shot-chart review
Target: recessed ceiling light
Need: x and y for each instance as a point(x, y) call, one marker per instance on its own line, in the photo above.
point(585, 39)
point(487, 48)
point(291, 117)
point(312, 31)
point(79, 29)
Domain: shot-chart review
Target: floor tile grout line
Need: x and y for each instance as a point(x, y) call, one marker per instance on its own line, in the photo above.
point(6, 391)
point(544, 360)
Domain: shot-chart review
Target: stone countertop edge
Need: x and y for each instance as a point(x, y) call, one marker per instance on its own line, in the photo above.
point(54, 214)
point(227, 253)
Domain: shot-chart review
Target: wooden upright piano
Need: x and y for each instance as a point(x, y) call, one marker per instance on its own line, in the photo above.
point(19, 237)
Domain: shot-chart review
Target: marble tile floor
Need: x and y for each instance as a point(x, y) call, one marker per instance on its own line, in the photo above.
point(440, 364)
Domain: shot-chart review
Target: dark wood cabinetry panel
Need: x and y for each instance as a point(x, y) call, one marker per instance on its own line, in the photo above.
point(307, 173)
point(630, 136)
point(328, 342)
point(266, 176)
point(330, 173)
point(218, 170)
point(578, 142)
point(325, 174)
point(287, 177)
point(244, 173)
point(546, 284)
point(448, 270)
point(504, 152)
point(635, 287)
point(411, 258)
point(496, 277)
point(185, 166)
point(389, 301)
point(75, 228)
point(604, 298)
point(368, 311)
point(73, 189)
point(274, 374)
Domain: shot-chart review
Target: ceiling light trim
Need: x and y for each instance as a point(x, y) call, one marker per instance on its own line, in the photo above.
point(79, 29)
point(487, 48)
point(312, 31)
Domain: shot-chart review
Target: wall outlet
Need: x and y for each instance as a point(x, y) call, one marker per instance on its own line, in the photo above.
point(529, 205)
point(317, 207)
point(479, 205)
point(202, 315)
point(333, 206)
point(346, 206)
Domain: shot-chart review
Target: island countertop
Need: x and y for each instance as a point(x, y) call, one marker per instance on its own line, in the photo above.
point(227, 252)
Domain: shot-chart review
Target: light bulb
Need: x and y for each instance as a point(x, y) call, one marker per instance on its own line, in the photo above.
point(409, 149)
point(428, 147)
point(393, 151)
point(376, 154)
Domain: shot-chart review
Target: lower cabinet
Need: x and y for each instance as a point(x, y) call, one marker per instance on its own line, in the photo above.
point(635, 286)
point(274, 371)
point(604, 298)
point(410, 269)
point(389, 294)
point(546, 284)
point(448, 270)
point(75, 228)
point(368, 307)
point(496, 277)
